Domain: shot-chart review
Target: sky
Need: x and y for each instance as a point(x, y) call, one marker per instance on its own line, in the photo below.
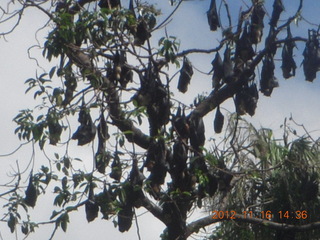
point(294, 97)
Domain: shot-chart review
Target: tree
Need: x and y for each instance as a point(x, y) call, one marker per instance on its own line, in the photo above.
point(149, 147)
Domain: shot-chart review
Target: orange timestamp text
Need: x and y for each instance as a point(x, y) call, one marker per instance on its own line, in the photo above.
point(268, 215)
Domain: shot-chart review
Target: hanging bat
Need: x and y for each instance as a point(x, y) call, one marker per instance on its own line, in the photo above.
point(31, 193)
point(116, 168)
point(142, 33)
point(156, 164)
point(125, 217)
point(87, 130)
point(91, 207)
point(71, 85)
point(251, 99)
point(268, 80)
point(217, 67)
point(55, 130)
point(102, 157)
point(136, 177)
point(239, 102)
point(256, 27)
point(213, 18)
point(218, 121)
point(277, 10)
point(244, 49)
point(181, 125)
point(197, 132)
point(288, 64)
point(228, 73)
point(180, 156)
point(311, 54)
point(186, 73)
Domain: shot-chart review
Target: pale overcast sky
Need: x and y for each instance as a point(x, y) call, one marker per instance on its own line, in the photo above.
point(294, 96)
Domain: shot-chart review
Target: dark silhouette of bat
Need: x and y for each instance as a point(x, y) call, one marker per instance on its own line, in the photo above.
point(91, 207)
point(186, 73)
point(268, 81)
point(288, 64)
point(277, 10)
point(213, 18)
point(87, 130)
point(256, 27)
point(217, 67)
point(218, 121)
point(311, 54)
point(31, 193)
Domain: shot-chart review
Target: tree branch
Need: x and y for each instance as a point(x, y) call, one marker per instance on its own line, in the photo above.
point(154, 209)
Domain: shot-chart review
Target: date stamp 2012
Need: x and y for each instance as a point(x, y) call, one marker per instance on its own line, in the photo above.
point(266, 215)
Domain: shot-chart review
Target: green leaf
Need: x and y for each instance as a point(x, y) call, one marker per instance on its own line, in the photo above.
point(64, 221)
point(54, 214)
point(52, 71)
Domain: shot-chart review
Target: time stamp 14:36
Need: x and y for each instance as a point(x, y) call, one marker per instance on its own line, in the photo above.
point(267, 215)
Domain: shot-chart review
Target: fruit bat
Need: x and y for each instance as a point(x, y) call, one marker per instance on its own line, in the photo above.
point(87, 130)
point(186, 73)
point(256, 27)
point(197, 136)
point(121, 72)
point(109, 4)
point(102, 157)
point(213, 18)
point(91, 207)
point(251, 99)
point(158, 108)
point(134, 187)
point(156, 164)
point(218, 121)
point(125, 217)
point(142, 33)
point(227, 66)
point(277, 10)
point(270, 41)
point(217, 67)
point(180, 156)
point(246, 99)
point(311, 54)
point(181, 125)
point(239, 102)
point(244, 49)
point(71, 85)
point(136, 177)
point(288, 64)
point(268, 80)
point(104, 200)
point(31, 193)
point(55, 130)
point(116, 168)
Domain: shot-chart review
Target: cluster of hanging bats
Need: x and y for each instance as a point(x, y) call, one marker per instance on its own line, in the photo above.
point(189, 137)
